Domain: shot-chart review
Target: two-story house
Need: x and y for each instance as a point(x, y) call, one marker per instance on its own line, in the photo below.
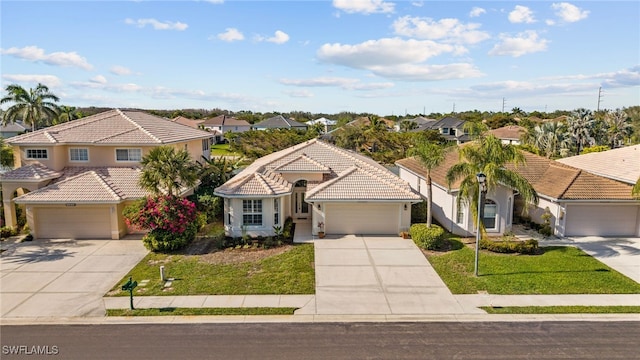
point(74, 179)
point(223, 124)
point(279, 122)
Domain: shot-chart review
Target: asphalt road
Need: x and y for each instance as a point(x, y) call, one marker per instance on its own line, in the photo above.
point(496, 340)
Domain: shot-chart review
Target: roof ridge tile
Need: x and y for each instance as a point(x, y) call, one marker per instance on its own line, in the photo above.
point(135, 123)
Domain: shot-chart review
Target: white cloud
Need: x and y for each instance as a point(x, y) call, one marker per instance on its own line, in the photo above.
point(364, 6)
point(450, 30)
point(621, 78)
point(34, 53)
point(343, 83)
point(300, 93)
point(279, 37)
point(521, 14)
point(524, 43)
point(99, 79)
point(48, 80)
point(417, 3)
point(424, 72)
point(230, 35)
point(477, 11)
point(157, 25)
point(569, 12)
point(382, 52)
point(120, 70)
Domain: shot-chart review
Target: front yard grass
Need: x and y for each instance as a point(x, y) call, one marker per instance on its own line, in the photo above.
point(222, 150)
point(290, 272)
point(200, 311)
point(559, 270)
point(562, 309)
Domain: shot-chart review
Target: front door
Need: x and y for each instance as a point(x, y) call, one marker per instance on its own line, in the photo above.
point(300, 207)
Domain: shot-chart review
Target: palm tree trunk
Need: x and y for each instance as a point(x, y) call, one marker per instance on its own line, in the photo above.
point(429, 192)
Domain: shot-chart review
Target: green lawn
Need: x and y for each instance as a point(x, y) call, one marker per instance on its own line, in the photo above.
point(560, 270)
point(563, 310)
point(222, 150)
point(291, 272)
point(200, 311)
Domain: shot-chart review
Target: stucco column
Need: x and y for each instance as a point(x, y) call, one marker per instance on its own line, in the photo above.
point(9, 213)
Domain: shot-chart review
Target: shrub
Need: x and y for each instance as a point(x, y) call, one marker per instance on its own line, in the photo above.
point(508, 246)
point(160, 240)
point(287, 230)
point(7, 231)
point(429, 238)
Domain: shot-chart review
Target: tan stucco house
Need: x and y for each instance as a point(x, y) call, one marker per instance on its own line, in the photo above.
point(335, 190)
point(580, 203)
point(77, 177)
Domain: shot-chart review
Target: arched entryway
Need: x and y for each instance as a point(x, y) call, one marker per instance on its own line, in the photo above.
point(301, 210)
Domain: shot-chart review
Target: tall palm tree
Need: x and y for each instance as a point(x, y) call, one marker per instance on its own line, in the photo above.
point(579, 124)
point(488, 155)
point(216, 171)
point(6, 154)
point(165, 170)
point(551, 138)
point(34, 107)
point(618, 126)
point(430, 155)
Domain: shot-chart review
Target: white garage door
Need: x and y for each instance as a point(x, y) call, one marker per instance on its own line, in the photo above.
point(601, 220)
point(73, 223)
point(362, 218)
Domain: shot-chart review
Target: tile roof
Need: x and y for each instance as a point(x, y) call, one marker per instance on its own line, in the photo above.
point(256, 184)
point(194, 123)
point(112, 127)
point(225, 120)
point(348, 176)
point(622, 164)
point(89, 185)
point(279, 122)
point(548, 177)
point(31, 173)
point(512, 132)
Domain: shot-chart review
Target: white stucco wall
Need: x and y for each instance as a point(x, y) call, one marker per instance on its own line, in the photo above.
point(233, 217)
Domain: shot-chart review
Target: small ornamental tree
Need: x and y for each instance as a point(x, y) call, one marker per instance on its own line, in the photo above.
point(171, 221)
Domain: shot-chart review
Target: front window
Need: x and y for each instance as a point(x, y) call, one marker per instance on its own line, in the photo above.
point(445, 130)
point(37, 154)
point(459, 214)
point(76, 154)
point(276, 212)
point(490, 213)
point(128, 154)
point(252, 212)
point(205, 144)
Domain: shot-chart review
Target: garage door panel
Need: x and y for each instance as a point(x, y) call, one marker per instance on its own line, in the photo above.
point(75, 223)
point(363, 218)
point(601, 220)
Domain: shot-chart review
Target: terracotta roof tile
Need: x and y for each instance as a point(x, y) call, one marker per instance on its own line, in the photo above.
point(112, 127)
point(31, 172)
point(512, 132)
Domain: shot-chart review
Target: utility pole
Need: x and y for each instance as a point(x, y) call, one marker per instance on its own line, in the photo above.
point(599, 97)
point(454, 108)
point(504, 101)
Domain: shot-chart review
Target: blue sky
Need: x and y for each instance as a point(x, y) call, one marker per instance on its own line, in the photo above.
point(382, 57)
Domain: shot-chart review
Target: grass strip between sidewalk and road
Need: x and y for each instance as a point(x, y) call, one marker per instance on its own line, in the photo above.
point(559, 270)
point(288, 273)
point(562, 309)
point(170, 311)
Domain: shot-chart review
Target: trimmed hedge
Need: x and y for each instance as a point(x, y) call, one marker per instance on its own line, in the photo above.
point(528, 247)
point(430, 238)
point(159, 240)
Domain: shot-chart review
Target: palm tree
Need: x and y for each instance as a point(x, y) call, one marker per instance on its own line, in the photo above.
point(488, 155)
point(635, 191)
point(6, 154)
point(216, 171)
point(551, 138)
point(165, 170)
point(430, 155)
point(66, 113)
point(618, 126)
point(407, 125)
point(579, 124)
point(33, 107)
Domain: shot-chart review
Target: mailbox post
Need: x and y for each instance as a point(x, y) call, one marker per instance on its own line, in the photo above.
point(129, 286)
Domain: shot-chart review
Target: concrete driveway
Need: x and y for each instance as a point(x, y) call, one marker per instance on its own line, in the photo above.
point(377, 275)
point(62, 278)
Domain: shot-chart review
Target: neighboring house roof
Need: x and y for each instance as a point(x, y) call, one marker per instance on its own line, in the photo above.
point(279, 122)
point(89, 185)
point(548, 177)
point(194, 123)
point(117, 127)
point(622, 164)
point(35, 172)
point(323, 121)
point(346, 175)
point(509, 132)
point(225, 120)
point(448, 122)
point(14, 127)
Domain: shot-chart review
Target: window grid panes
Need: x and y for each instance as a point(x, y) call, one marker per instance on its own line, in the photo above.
point(490, 210)
point(79, 154)
point(37, 154)
point(252, 212)
point(276, 212)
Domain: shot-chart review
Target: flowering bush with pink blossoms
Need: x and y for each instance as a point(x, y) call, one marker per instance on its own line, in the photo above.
point(170, 219)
